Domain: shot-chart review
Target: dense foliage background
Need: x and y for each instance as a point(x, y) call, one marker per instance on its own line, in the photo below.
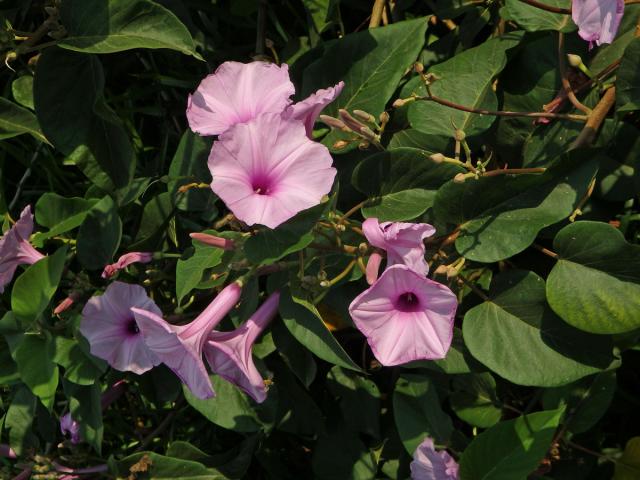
point(537, 235)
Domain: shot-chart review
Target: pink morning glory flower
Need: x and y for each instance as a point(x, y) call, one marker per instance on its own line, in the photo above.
point(180, 347)
point(309, 109)
point(68, 426)
point(126, 260)
point(597, 20)
point(405, 316)
point(15, 248)
point(431, 465)
point(229, 353)
point(403, 242)
point(111, 329)
point(267, 170)
point(237, 93)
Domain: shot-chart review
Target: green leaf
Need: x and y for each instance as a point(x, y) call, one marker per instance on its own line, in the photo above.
point(189, 165)
point(22, 90)
point(466, 79)
point(86, 409)
point(342, 455)
point(533, 19)
point(99, 234)
point(511, 449)
point(52, 209)
point(33, 289)
point(270, 245)
point(586, 400)
point(18, 420)
point(97, 26)
point(396, 207)
point(306, 325)
point(34, 356)
point(595, 285)
point(474, 399)
point(417, 412)
point(16, 120)
point(162, 467)
point(628, 465)
point(69, 101)
point(299, 360)
point(628, 79)
point(230, 408)
point(371, 64)
point(502, 215)
point(518, 336)
point(78, 368)
point(156, 217)
point(189, 272)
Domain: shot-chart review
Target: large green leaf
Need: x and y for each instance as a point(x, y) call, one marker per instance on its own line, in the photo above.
point(33, 289)
point(502, 215)
point(163, 467)
point(189, 271)
point(466, 79)
point(628, 79)
point(417, 412)
point(86, 409)
point(78, 367)
point(99, 234)
point(107, 26)
point(16, 120)
point(18, 420)
point(474, 399)
point(533, 18)
point(518, 336)
point(60, 214)
point(306, 325)
point(510, 450)
point(189, 165)
point(595, 286)
point(34, 356)
point(68, 95)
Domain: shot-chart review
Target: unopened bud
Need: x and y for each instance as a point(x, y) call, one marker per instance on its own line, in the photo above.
point(364, 145)
point(460, 178)
point(459, 135)
point(441, 270)
point(364, 116)
point(363, 248)
point(213, 241)
point(349, 121)
point(340, 144)
point(574, 60)
point(369, 134)
point(452, 272)
point(334, 123)
point(384, 118)
point(418, 67)
point(437, 158)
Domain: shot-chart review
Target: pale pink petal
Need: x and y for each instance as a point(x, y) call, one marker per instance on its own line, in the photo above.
point(403, 242)
point(267, 170)
point(405, 316)
point(7, 452)
point(126, 260)
point(373, 267)
point(597, 20)
point(110, 327)
point(237, 93)
point(229, 353)
point(310, 108)
point(428, 464)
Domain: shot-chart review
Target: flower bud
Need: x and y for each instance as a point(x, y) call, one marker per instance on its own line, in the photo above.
point(460, 178)
point(340, 144)
point(364, 116)
point(441, 270)
point(349, 121)
point(418, 67)
point(384, 118)
point(334, 123)
point(574, 60)
point(459, 135)
point(437, 158)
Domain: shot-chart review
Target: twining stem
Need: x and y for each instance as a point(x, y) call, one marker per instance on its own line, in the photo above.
point(352, 210)
point(566, 85)
point(595, 120)
point(512, 171)
point(376, 13)
point(341, 275)
point(474, 288)
point(548, 8)
point(501, 113)
point(583, 200)
point(546, 251)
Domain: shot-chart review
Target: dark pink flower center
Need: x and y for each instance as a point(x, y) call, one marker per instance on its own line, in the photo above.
point(262, 185)
point(408, 302)
point(132, 327)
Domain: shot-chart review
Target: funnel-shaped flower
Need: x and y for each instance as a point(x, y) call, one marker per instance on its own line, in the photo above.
point(229, 353)
point(308, 110)
point(180, 347)
point(111, 329)
point(126, 260)
point(597, 20)
point(15, 248)
point(402, 242)
point(267, 170)
point(431, 465)
point(405, 316)
point(237, 93)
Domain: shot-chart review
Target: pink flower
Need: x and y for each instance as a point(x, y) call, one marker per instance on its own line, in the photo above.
point(15, 248)
point(403, 242)
point(309, 109)
point(213, 241)
point(68, 426)
point(111, 329)
point(7, 452)
point(126, 260)
point(180, 347)
point(373, 267)
point(597, 20)
point(229, 353)
point(237, 93)
point(405, 316)
point(431, 465)
point(267, 170)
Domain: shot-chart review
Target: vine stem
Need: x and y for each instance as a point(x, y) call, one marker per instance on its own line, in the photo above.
point(546, 251)
point(473, 288)
point(353, 210)
point(595, 120)
point(376, 13)
point(566, 85)
point(548, 8)
point(513, 171)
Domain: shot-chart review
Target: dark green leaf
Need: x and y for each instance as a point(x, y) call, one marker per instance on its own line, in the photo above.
point(628, 79)
point(99, 234)
point(533, 18)
point(18, 420)
point(16, 120)
point(474, 399)
point(86, 409)
point(34, 357)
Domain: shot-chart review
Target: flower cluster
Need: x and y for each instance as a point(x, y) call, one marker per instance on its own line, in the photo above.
point(404, 315)
point(264, 165)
